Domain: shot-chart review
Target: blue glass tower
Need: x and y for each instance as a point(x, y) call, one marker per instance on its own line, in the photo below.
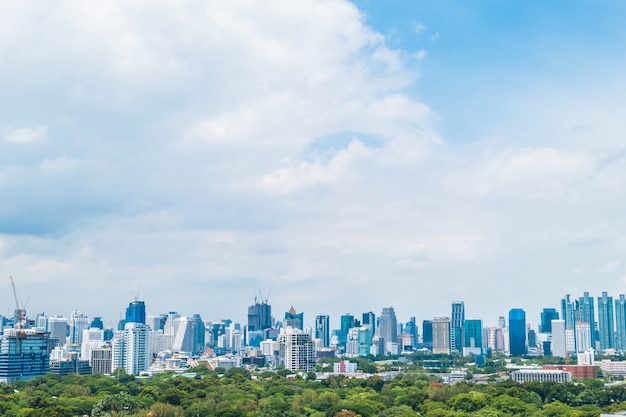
point(473, 333)
point(517, 332)
point(136, 312)
point(547, 315)
point(427, 333)
point(606, 321)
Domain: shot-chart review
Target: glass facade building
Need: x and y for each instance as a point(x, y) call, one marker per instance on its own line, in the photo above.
point(517, 332)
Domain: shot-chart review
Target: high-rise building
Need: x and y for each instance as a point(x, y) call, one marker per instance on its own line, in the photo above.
point(456, 326)
point(294, 319)
point(547, 315)
point(101, 360)
point(170, 326)
point(189, 335)
point(136, 312)
point(427, 334)
point(473, 333)
point(369, 318)
point(92, 338)
point(583, 336)
point(322, 329)
point(388, 328)
point(606, 322)
point(558, 346)
point(57, 327)
point(259, 316)
point(24, 354)
point(441, 335)
point(96, 323)
point(411, 329)
point(299, 350)
point(78, 323)
point(620, 323)
point(517, 332)
point(568, 311)
point(131, 348)
point(586, 314)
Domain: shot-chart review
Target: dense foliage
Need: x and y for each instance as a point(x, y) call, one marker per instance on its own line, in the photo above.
point(238, 393)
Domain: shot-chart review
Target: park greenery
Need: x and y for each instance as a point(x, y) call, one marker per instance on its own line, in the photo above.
point(237, 392)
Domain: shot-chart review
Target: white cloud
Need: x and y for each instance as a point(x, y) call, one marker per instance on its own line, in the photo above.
point(26, 135)
point(419, 27)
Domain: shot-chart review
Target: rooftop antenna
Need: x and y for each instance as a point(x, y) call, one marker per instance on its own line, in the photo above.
point(135, 293)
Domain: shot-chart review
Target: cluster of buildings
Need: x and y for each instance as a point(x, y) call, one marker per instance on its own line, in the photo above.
point(145, 344)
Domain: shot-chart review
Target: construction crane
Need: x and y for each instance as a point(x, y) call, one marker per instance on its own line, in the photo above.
point(21, 312)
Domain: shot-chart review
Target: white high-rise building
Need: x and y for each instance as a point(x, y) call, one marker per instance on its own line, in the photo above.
point(171, 324)
point(92, 338)
point(78, 323)
point(183, 341)
point(299, 350)
point(160, 342)
point(559, 345)
point(131, 348)
point(583, 336)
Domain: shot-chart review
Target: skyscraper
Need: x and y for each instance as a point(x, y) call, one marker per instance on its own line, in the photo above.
point(456, 325)
point(547, 315)
point(427, 333)
point(259, 316)
point(517, 332)
point(299, 350)
point(606, 322)
point(559, 346)
point(24, 354)
point(322, 329)
point(473, 333)
point(620, 323)
point(78, 323)
point(586, 313)
point(568, 309)
point(131, 348)
point(370, 318)
point(346, 323)
point(388, 326)
point(441, 335)
point(293, 319)
point(136, 312)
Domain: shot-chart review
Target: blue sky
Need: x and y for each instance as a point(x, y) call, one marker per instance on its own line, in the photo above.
point(349, 156)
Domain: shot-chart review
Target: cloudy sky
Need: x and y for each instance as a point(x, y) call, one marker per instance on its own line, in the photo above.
point(338, 156)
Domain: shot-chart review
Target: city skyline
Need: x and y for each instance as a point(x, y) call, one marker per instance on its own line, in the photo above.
point(346, 155)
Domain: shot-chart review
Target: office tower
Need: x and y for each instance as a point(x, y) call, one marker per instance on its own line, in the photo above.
point(156, 322)
point(365, 340)
point(78, 323)
point(131, 348)
point(583, 336)
point(411, 329)
point(346, 323)
point(427, 334)
point(473, 333)
point(517, 332)
point(136, 312)
point(586, 314)
point(92, 338)
point(388, 328)
point(532, 338)
point(559, 347)
point(568, 311)
point(370, 318)
point(299, 350)
point(456, 325)
point(24, 354)
point(259, 316)
point(57, 327)
point(606, 323)
point(171, 323)
point(547, 315)
point(101, 360)
point(189, 336)
point(322, 329)
point(96, 323)
point(352, 343)
point(441, 335)
point(293, 319)
point(501, 322)
point(620, 323)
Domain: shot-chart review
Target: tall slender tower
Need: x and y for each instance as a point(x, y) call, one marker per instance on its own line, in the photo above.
point(456, 326)
point(606, 322)
point(620, 323)
point(586, 314)
point(136, 312)
point(517, 332)
point(322, 329)
point(388, 326)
